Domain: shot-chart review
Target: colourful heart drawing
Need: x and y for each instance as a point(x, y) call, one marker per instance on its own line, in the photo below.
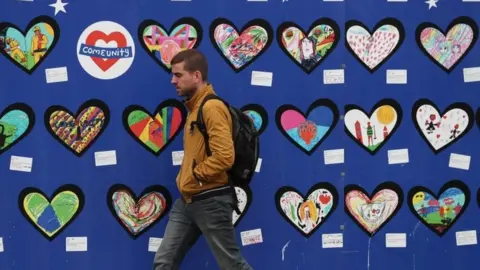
point(442, 130)
point(155, 133)
point(439, 212)
point(371, 213)
point(447, 51)
point(117, 37)
point(77, 132)
point(138, 214)
point(240, 50)
point(373, 50)
point(259, 116)
point(162, 46)
point(51, 216)
point(29, 49)
point(308, 213)
point(307, 131)
point(244, 196)
point(372, 131)
point(308, 50)
point(16, 122)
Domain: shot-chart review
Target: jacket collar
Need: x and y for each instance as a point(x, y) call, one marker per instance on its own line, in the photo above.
point(194, 102)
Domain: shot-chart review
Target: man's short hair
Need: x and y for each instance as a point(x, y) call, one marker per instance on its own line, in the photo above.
point(193, 60)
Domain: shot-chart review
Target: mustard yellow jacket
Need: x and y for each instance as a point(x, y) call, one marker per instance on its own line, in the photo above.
point(199, 172)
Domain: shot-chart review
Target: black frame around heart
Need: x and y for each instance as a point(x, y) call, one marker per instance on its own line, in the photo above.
point(321, 185)
point(385, 185)
point(386, 101)
point(166, 103)
point(456, 105)
point(89, 103)
point(320, 21)
point(462, 19)
point(67, 187)
point(257, 22)
point(153, 188)
point(389, 20)
point(260, 110)
point(39, 19)
point(249, 193)
point(185, 20)
point(31, 121)
point(451, 184)
point(322, 102)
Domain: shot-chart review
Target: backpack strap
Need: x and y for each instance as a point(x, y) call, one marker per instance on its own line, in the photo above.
point(200, 123)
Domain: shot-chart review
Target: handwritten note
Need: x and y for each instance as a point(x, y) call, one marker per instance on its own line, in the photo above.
point(396, 240)
point(154, 244)
point(466, 238)
point(105, 158)
point(177, 158)
point(259, 165)
point(261, 78)
point(333, 76)
point(251, 237)
point(471, 74)
point(396, 76)
point(398, 156)
point(75, 244)
point(458, 161)
point(21, 164)
point(55, 75)
point(332, 240)
point(336, 156)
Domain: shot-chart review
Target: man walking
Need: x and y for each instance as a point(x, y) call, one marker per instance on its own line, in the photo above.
point(206, 202)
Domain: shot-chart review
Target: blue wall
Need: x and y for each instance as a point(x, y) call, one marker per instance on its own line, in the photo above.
point(147, 84)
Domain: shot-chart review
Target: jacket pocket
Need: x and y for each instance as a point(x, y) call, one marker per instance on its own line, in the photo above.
point(194, 164)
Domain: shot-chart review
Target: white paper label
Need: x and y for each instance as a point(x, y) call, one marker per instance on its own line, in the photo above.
point(396, 240)
point(333, 76)
point(466, 238)
point(336, 156)
point(261, 78)
point(177, 158)
point(259, 165)
point(21, 164)
point(2, 249)
point(332, 240)
point(458, 161)
point(105, 158)
point(76, 244)
point(154, 244)
point(251, 237)
point(398, 156)
point(396, 76)
point(55, 75)
point(471, 74)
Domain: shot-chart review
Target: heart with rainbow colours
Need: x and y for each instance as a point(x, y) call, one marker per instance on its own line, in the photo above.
point(156, 132)
point(161, 45)
point(42, 32)
point(439, 212)
point(307, 131)
point(138, 214)
point(77, 132)
point(51, 216)
point(259, 116)
point(240, 50)
point(16, 122)
point(372, 213)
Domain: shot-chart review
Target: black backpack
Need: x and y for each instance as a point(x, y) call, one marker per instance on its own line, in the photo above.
point(245, 141)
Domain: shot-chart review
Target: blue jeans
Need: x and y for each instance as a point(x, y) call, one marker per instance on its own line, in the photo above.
point(211, 217)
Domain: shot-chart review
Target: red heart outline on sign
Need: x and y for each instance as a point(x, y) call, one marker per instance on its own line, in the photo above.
point(99, 35)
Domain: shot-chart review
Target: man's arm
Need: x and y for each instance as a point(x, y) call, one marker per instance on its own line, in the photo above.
point(216, 120)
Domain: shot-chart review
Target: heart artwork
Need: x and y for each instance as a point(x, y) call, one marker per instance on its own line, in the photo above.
point(244, 197)
point(138, 214)
point(51, 216)
point(16, 122)
point(307, 213)
point(439, 212)
point(163, 45)
point(372, 131)
point(77, 132)
point(307, 131)
point(441, 130)
point(371, 213)
point(308, 50)
point(240, 50)
point(27, 50)
point(258, 115)
point(373, 50)
point(155, 133)
point(447, 50)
